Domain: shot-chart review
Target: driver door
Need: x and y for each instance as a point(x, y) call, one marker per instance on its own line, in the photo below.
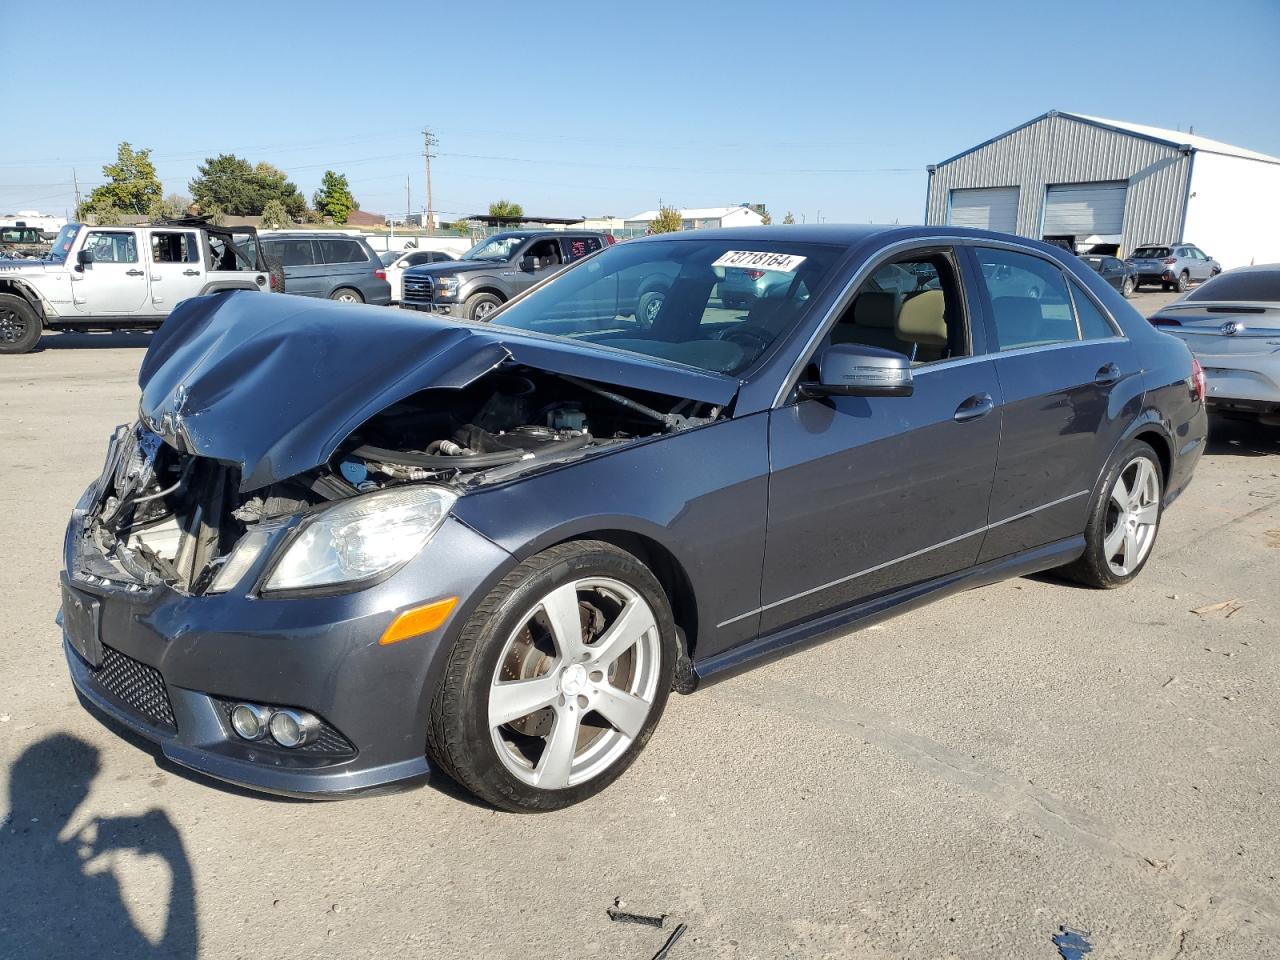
point(868, 495)
point(548, 259)
point(115, 282)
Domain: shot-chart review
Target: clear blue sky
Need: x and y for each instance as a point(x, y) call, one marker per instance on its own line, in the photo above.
point(603, 108)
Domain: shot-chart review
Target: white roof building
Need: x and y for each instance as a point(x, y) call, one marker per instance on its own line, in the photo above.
point(701, 218)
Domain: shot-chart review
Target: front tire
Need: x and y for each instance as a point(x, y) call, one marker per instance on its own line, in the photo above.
point(1127, 288)
point(557, 681)
point(20, 328)
point(648, 307)
point(1124, 520)
point(1184, 281)
point(480, 305)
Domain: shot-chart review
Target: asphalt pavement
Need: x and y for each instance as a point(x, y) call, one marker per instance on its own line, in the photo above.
point(961, 781)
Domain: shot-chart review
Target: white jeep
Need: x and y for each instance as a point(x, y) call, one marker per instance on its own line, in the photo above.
point(125, 278)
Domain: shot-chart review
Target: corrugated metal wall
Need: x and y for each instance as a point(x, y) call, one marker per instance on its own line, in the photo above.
point(1058, 149)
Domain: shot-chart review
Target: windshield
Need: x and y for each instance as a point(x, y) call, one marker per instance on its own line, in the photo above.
point(62, 244)
point(681, 300)
point(1244, 286)
point(498, 247)
point(390, 257)
point(1150, 253)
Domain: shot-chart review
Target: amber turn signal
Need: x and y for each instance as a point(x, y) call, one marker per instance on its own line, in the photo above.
point(419, 620)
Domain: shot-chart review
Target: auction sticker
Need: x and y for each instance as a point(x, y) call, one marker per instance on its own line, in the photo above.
point(758, 260)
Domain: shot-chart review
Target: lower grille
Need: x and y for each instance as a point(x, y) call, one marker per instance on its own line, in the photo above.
point(137, 687)
point(330, 743)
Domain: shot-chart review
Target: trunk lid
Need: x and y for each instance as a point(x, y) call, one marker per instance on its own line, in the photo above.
point(1222, 329)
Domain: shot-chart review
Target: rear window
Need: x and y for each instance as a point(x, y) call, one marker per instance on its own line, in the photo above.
point(1150, 253)
point(1244, 286)
point(341, 251)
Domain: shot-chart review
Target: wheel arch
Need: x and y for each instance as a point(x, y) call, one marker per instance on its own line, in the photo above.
point(19, 288)
point(221, 286)
point(485, 287)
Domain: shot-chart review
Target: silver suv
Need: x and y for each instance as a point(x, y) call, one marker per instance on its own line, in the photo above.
point(1174, 266)
point(124, 278)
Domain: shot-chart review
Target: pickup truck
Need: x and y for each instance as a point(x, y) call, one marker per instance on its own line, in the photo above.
point(495, 270)
point(125, 278)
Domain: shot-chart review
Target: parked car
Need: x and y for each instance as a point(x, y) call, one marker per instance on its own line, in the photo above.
point(1121, 275)
point(336, 266)
point(1232, 325)
point(335, 555)
point(1174, 267)
point(21, 242)
point(124, 278)
point(397, 261)
point(495, 270)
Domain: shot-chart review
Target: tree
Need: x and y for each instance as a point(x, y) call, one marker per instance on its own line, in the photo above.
point(334, 198)
point(668, 220)
point(789, 218)
point(172, 207)
point(766, 218)
point(505, 208)
point(132, 186)
point(275, 216)
point(232, 184)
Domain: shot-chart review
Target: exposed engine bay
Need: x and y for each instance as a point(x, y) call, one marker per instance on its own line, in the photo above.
point(158, 515)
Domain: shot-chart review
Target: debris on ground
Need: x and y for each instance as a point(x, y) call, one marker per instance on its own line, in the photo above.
point(1072, 944)
point(676, 934)
point(1230, 606)
point(618, 915)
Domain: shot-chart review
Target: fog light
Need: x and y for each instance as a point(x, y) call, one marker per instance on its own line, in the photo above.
point(294, 728)
point(250, 720)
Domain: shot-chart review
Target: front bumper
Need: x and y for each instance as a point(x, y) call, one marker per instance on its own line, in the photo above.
point(319, 654)
point(447, 309)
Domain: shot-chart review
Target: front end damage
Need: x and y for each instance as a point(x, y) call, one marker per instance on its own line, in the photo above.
point(176, 606)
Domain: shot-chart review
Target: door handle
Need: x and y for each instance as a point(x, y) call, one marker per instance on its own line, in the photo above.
point(976, 407)
point(191, 273)
point(1107, 375)
point(133, 273)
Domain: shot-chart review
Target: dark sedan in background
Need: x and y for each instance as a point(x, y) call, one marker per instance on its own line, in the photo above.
point(334, 555)
point(1120, 274)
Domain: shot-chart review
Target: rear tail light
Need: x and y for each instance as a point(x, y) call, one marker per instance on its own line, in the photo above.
point(754, 274)
point(610, 239)
point(274, 284)
point(1165, 322)
point(1198, 386)
point(380, 274)
point(1169, 260)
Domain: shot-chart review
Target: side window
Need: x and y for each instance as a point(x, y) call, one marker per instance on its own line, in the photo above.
point(292, 253)
point(1112, 263)
point(579, 247)
point(414, 259)
point(547, 251)
point(1093, 323)
point(112, 247)
point(333, 250)
point(912, 305)
point(172, 247)
point(1029, 301)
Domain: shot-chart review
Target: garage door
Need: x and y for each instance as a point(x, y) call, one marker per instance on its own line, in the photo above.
point(987, 208)
point(1084, 209)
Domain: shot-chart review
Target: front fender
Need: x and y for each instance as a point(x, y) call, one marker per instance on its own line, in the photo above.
point(42, 307)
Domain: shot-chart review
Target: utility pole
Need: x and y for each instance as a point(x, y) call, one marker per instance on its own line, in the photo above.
point(408, 208)
point(428, 141)
point(76, 181)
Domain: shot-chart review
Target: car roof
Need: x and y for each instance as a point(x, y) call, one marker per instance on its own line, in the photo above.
point(297, 234)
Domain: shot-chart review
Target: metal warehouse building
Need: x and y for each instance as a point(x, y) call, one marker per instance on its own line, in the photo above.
point(1085, 181)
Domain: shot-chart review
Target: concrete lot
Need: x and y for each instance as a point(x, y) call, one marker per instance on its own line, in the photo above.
point(957, 782)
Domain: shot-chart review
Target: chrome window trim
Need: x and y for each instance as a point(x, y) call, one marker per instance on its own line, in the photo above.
point(909, 556)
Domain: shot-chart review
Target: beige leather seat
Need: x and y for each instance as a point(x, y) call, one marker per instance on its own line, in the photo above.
point(872, 322)
point(922, 321)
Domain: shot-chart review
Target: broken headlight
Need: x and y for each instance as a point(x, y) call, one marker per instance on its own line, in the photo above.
point(358, 539)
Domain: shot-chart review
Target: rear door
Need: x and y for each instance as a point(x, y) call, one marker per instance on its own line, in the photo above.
point(175, 266)
point(1070, 384)
point(115, 283)
point(871, 494)
point(345, 262)
point(302, 275)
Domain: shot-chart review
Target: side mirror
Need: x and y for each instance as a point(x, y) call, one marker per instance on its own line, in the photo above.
point(84, 257)
point(529, 264)
point(854, 370)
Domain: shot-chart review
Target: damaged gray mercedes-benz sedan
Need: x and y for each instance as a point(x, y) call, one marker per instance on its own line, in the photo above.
point(343, 547)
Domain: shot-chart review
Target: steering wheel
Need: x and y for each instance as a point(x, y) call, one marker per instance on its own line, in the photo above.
point(747, 335)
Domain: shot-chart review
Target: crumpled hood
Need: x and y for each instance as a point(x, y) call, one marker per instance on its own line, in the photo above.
point(274, 383)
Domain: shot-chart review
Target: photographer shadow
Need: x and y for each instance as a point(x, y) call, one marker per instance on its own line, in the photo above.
point(61, 891)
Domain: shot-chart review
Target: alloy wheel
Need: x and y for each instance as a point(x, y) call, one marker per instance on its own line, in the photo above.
point(575, 683)
point(12, 326)
point(484, 309)
point(1133, 512)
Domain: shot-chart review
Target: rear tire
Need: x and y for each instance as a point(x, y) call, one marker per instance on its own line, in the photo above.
point(577, 710)
point(1124, 520)
point(20, 328)
point(648, 307)
point(1127, 288)
point(346, 295)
